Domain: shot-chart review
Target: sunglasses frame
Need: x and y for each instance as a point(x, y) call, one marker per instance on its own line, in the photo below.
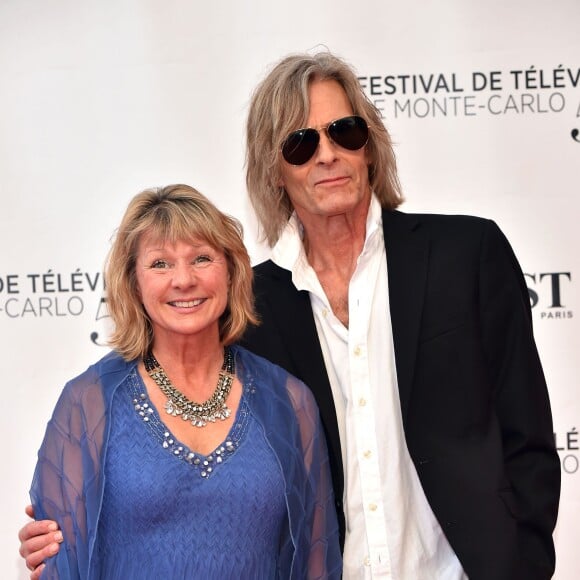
point(328, 130)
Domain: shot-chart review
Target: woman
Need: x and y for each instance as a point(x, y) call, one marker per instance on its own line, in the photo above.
point(179, 454)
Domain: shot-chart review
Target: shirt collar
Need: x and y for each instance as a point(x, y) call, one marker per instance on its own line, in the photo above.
point(288, 252)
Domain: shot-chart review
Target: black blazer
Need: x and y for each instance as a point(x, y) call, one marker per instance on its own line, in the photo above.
point(475, 406)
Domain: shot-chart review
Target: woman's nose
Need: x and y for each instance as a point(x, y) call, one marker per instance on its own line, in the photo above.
point(184, 275)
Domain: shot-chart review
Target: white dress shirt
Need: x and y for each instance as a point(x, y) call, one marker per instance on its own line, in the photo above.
point(391, 531)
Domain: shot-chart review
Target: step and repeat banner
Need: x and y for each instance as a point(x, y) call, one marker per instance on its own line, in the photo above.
point(99, 100)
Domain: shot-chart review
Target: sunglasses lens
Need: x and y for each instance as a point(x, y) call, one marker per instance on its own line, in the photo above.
point(352, 133)
point(300, 146)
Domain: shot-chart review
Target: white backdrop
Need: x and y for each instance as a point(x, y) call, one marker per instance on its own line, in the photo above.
point(99, 100)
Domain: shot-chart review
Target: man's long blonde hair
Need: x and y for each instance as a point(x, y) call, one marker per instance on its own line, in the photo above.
point(279, 106)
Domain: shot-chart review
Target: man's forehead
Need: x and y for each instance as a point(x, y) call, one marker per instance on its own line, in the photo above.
point(327, 101)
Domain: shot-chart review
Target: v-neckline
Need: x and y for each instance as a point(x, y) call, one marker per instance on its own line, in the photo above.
point(204, 463)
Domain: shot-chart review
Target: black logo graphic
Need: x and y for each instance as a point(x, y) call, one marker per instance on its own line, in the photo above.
point(545, 290)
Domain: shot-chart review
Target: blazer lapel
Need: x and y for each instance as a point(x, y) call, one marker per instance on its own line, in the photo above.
point(293, 316)
point(407, 248)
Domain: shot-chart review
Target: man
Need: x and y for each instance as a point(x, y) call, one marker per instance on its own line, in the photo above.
point(414, 333)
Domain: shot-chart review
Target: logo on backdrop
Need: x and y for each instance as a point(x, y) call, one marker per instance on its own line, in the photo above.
point(514, 91)
point(568, 447)
point(548, 294)
point(48, 294)
point(52, 294)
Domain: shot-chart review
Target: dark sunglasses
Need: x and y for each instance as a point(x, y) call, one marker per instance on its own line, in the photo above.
point(352, 133)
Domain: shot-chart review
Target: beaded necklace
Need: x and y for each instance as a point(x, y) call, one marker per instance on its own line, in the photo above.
point(199, 414)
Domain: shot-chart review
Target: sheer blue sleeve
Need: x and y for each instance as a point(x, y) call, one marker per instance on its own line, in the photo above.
point(287, 411)
point(68, 471)
point(324, 559)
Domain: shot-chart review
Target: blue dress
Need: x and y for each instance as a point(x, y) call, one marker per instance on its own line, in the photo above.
point(229, 504)
point(133, 502)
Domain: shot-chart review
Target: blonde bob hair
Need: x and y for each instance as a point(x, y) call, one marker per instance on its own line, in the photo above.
point(173, 213)
point(279, 106)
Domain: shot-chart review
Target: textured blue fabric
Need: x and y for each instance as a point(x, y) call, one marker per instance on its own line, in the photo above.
point(225, 523)
point(277, 426)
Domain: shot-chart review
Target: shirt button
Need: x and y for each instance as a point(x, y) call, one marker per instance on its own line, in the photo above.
point(362, 402)
point(367, 561)
point(357, 351)
point(373, 507)
point(367, 453)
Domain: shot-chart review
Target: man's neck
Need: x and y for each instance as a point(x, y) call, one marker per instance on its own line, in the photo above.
point(332, 247)
point(334, 242)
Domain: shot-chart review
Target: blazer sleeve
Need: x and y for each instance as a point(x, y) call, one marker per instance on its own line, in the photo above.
point(521, 400)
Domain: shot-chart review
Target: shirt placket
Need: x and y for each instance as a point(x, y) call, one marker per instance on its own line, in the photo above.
point(364, 417)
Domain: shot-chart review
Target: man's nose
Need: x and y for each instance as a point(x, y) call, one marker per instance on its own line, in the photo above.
point(327, 148)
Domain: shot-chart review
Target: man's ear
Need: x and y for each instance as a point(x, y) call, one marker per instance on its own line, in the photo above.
point(368, 156)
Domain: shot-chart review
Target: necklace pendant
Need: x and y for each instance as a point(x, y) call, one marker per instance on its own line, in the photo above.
point(172, 409)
